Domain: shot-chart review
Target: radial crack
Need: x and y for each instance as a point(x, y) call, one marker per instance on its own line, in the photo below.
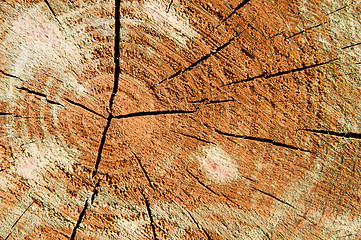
point(338, 134)
point(266, 140)
point(208, 188)
point(169, 5)
point(199, 61)
point(352, 45)
point(95, 191)
point(207, 101)
point(339, 9)
point(305, 30)
point(270, 195)
point(143, 169)
point(39, 94)
point(199, 226)
point(266, 76)
point(242, 4)
point(81, 216)
point(10, 75)
point(155, 113)
point(150, 216)
point(201, 183)
point(22, 214)
point(194, 137)
point(18, 219)
point(84, 107)
point(52, 11)
point(101, 146)
point(116, 54)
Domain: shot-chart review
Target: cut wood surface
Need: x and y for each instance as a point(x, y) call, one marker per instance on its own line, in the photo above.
point(175, 119)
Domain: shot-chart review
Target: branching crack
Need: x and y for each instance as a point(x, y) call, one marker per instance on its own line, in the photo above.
point(84, 107)
point(155, 113)
point(278, 199)
point(199, 61)
point(39, 94)
point(81, 216)
point(266, 140)
point(267, 76)
point(338, 134)
point(150, 215)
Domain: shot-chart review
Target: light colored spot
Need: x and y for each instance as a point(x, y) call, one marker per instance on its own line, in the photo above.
point(40, 155)
point(217, 164)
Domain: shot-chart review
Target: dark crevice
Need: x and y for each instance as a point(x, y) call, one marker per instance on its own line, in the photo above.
point(143, 169)
point(39, 94)
point(52, 11)
point(266, 76)
point(241, 5)
point(265, 140)
point(226, 197)
point(339, 9)
point(199, 61)
point(198, 226)
point(247, 80)
point(207, 101)
point(17, 220)
point(201, 183)
point(101, 146)
point(22, 214)
point(81, 216)
point(116, 54)
point(194, 137)
point(155, 113)
point(84, 107)
point(208, 188)
point(8, 235)
point(350, 46)
point(270, 195)
point(150, 216)
point(332, 133)
point(10, 75)
point(5, 114)
point(115, 85)
point(305, 30)
point(169, 5)
point(249, 179)
point(95, 191)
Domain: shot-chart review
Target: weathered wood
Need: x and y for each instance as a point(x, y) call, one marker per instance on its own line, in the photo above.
point(180, 119)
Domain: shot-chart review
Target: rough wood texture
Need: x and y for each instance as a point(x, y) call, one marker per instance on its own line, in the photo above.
point(180, 119)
